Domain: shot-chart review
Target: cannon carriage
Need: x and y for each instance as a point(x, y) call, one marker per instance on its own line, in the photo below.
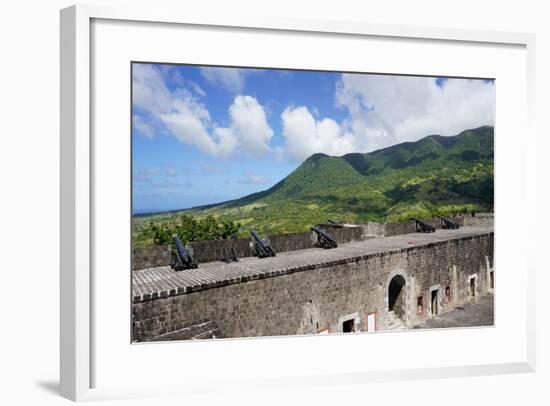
point(324, 239)
point(262, 247)
point(182, 257)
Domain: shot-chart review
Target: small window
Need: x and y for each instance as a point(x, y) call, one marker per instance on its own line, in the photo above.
point(473, 287)
point(447, 294)
point(435, 304)
point(348, 326)
point(419, 305)
point(492, 279)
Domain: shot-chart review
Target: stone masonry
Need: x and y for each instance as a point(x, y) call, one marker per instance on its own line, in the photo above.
point(314, 290)
point(150, 257)
point(208, 251)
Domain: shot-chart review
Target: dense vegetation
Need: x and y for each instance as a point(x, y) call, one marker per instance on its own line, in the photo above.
point(189, 229)
point(433, 176)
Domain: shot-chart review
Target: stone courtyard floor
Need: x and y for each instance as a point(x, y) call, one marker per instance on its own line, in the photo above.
point(480, 313)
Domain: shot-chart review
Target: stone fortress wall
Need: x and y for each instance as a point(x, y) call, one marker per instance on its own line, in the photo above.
point(207, 251)
point(401, 279)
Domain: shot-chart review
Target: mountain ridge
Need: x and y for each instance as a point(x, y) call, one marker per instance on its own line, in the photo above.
point(398, 162)
point(435, 175)
point(444, 141)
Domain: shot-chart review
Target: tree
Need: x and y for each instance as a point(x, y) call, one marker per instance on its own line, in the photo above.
point(189, 229)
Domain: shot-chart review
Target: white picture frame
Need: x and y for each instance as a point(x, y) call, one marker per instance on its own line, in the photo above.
point(77, 218)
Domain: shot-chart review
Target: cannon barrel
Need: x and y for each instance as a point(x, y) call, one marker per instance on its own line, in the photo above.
point(257, 238)
point(448, 224)
point(335, 224)
point(423, 227)
point(182, 258)
point(263, 249)
point(182, 251)
point(324, 239)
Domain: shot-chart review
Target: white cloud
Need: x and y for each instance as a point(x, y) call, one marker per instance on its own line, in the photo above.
point(170, 171)
point(305, 135)
point(149, 91)
point(251, 178)
point(142, 128)
point(158, 178)
point(171, 74)
point(384, 110)
point(189, 121)
point(249, 125)
point(231, 79)
point(210, 169)
point(146, 175)
point(196, 88)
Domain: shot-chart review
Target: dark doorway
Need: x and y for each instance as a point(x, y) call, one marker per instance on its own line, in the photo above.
point(348, 326)
point(473, 287)
point(492, 280)
point(396, 296)
point(435, 308)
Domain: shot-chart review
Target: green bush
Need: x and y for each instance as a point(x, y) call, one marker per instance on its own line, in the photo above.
point(188, 229)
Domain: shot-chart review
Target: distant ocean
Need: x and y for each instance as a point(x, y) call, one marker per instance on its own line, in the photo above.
point(147, 212)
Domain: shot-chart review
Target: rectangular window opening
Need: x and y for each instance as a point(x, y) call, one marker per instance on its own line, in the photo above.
point(434, 306)
point(419, 305)
point(448, 294)
point(348, 326)
point(492, 279)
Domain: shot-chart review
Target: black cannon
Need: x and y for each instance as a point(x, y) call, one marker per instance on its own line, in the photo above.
point(181, 257)
point(324, 239)
point(262, 247)
point(335, 224)
point(448, 224)
point(423, 227)
point(230, 255)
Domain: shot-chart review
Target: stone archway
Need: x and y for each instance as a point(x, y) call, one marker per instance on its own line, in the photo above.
point(397, 296)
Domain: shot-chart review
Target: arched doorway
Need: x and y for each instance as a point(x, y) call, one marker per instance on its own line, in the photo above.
point(396, 296)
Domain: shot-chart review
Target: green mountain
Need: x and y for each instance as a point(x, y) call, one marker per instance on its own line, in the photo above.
point(435, 175)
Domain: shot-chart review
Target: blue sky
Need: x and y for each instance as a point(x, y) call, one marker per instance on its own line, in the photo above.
point(203, 135)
